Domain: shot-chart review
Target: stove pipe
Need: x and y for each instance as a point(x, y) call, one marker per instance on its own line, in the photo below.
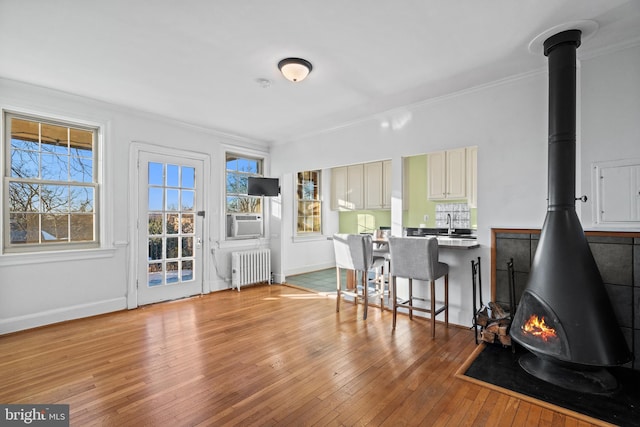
point(564, 281)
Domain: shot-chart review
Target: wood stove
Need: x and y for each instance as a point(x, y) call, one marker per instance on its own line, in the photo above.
point(564, 317)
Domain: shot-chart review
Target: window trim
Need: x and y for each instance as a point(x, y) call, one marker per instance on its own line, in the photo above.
point(103, 220)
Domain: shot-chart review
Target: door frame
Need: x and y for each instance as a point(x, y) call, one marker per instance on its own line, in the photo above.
point(135, 151)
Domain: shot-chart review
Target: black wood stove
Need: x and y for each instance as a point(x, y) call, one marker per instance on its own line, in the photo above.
point(565, 318)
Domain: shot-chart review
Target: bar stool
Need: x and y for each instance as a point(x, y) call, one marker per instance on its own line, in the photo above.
point(417, 258)
point(355, 252)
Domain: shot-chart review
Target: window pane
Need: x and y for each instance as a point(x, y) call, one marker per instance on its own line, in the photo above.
point(54, 198)
point(25, 164)
point(54, 167)
point(27, 132)
point(81, 169)
point(81, 142)
point(188, 177)
point(188, 197)
point(24, 197)
point(172, 200)
point(173, 175)
point(81, 199)
point(187, 270)
point(155, 199)
point(54, 139)
point(155, 174)
point(155, 224)
point(55, 228)
point(187, 223)
point(155, 274)
point(172, 272)
point(187, 246)
point(172, 247)
point(172, 223)
point(82, 228)
point(155, 248)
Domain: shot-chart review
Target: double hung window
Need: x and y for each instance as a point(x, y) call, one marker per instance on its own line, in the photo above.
point(50, 185)
point(309, 206)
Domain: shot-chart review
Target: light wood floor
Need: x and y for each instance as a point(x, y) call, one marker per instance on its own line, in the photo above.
point(269, 355)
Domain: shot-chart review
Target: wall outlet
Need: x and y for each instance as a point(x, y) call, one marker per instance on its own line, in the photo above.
point(426, 218)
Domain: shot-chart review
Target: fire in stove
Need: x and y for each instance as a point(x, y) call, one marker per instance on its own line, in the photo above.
point(537, 326)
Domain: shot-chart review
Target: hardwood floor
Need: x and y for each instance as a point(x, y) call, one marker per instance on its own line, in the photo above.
point(269, 355)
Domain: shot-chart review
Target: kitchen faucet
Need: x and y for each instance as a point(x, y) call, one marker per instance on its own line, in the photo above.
point(450, 229)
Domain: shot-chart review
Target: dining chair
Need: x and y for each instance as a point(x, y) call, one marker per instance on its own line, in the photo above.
point(416, 258)
point(355, 252)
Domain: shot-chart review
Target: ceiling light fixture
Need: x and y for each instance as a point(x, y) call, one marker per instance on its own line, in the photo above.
point(295, 69)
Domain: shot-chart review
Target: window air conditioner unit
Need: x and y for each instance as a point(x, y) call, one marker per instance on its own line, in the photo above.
point(246, 225)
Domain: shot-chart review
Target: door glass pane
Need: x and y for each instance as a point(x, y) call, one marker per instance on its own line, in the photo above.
point(172, 175)
point(188, 177)
point(155, 274)
point(155, 174)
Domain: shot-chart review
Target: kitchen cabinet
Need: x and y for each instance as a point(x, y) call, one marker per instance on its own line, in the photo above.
point(447, 175)
point(377, 184)
point(347, 187)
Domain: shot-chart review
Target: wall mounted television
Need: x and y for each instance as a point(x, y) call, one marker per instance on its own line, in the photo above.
point(258, 186)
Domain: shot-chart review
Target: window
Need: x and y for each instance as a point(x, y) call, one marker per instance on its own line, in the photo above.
point(309, 203)
point(50, 176)
point(238, 169)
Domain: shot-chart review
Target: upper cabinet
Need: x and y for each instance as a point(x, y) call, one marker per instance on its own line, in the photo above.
point(447, 174)
point(377, 185)
point(361, 186)
point(347, 187)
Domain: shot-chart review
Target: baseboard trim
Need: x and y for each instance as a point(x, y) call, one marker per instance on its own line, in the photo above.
point(29, 321)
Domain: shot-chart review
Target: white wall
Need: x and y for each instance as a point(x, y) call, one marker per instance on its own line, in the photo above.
point(610, 115)
point(36, 290)
point(508, 123)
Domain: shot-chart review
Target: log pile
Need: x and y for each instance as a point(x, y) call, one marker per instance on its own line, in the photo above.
point(495, 323)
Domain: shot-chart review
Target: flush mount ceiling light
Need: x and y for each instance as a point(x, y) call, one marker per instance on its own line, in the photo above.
point(295, 69)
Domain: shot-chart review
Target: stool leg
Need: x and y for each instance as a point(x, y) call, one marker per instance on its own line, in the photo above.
point(433, 309)
point(395, 302)
point(366, 294)
point(446, 300)
point(411, 299)
point(338, 288)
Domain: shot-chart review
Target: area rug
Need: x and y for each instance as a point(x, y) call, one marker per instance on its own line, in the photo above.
point(497, 367)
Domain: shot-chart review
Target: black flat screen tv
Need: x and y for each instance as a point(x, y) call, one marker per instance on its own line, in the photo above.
point(263, 186)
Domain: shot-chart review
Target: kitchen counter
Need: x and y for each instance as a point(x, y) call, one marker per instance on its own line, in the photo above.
point(457, 243)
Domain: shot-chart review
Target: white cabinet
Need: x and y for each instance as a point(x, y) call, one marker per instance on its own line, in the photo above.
point(347, 187)
point(377, 184)
point(447, 175)
point(618, 192)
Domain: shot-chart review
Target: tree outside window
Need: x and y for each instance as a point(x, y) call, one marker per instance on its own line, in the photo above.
point(309, 203)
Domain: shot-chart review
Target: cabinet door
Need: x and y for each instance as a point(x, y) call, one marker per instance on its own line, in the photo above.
point(339, 188)
point(386, 184)
point(355, 191)
point(456, 174)
point(436, 172)
point(619, 200)
point(373, 185)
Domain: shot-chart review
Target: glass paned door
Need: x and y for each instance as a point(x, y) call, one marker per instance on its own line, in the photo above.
point(170, 236)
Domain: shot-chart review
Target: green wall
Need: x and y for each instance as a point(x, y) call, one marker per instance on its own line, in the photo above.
point(355, 222)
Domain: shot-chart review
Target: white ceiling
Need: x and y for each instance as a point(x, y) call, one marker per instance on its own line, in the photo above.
point(197, 61)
